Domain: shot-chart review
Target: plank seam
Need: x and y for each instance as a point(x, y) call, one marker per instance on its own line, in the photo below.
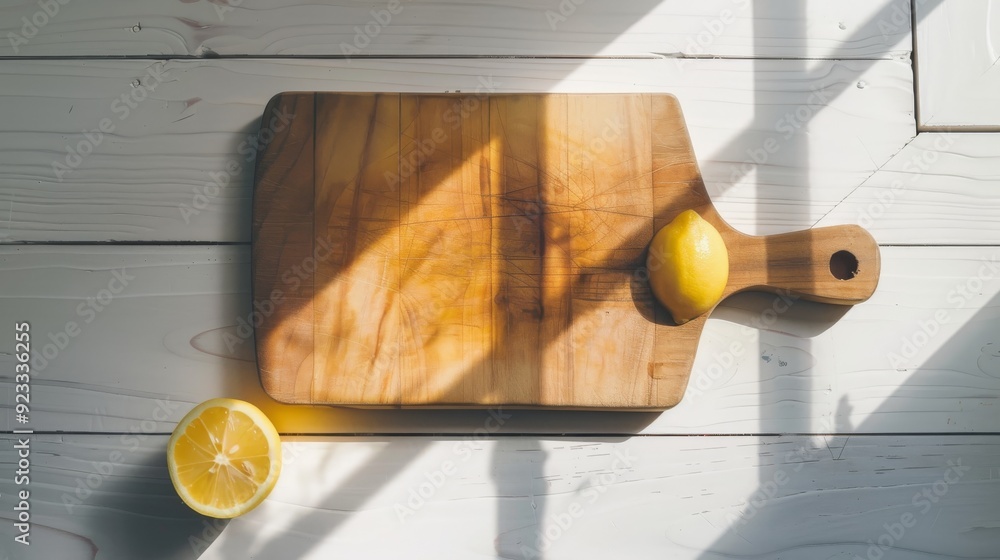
point(247, 243)
point(374, 435)
point(868, 178)
point(915, 64)
point(958, 129)
point(650, 56)
point(125, 243)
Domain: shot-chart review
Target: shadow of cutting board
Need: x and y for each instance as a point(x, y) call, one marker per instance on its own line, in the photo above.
point(458, 250)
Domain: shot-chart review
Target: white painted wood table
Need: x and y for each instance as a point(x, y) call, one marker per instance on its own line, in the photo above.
point(807, 432)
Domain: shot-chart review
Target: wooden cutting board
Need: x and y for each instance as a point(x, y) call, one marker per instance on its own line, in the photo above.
point(459, 250)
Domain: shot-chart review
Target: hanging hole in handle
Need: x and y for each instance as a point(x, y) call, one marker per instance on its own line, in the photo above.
point(844, 265)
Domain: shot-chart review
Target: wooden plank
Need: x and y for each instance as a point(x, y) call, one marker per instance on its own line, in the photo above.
point(176, 165)
point(527, 172)
point(957, 64)
point(919, 356)
point(285, 296)
point(355, 212)
point(924, 332)
point(688, 498)
point(741, 28)
point(608, 223)
point(445, 334)
point(942, 188)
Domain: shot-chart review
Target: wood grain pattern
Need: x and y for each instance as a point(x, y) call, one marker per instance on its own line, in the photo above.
point(339, 497)
point(408, 311)
point(531, 253)
point(792, 366)
point(942, 188)
point(445, 310)
point(170, 151)
point(959, 75)
point(179, 333)
point(358, 211)
point(283, 238)
point(742, 28)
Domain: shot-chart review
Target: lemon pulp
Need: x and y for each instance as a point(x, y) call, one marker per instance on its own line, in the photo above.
point(224, 458)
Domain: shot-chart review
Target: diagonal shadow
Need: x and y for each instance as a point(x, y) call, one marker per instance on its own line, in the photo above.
point(800, 152)
point(342, 495)
point(799, 149)
point(761, 529)
point(832, 91)
point(754, 533)
point(530, 301)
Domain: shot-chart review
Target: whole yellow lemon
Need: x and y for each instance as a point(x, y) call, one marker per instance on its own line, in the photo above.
point(688, 266)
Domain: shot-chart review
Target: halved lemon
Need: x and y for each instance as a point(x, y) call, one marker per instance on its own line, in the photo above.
point(224, 458)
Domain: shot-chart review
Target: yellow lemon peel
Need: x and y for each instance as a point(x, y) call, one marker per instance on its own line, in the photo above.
point(688, 266)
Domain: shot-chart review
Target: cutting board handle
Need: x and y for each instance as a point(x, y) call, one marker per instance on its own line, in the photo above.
point(838, 264)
